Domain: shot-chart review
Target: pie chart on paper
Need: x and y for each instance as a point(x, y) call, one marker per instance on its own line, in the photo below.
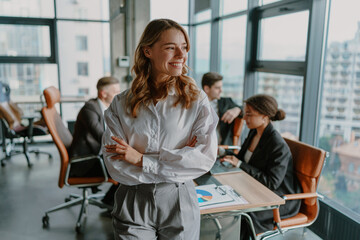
point(203, 196)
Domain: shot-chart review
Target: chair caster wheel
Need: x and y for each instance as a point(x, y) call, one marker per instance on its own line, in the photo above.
point(3, 164)
point(45, 221)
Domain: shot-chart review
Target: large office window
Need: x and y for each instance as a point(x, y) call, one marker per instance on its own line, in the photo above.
point(31, 60)
point(287, 90)
point(202, 51)
point(339, 125)
point(25, 40)
point(232, 6)
point(175, 10)
point(282, 41)
point(27, 81)
point(27, 52)
point(79, 9)
point(27, 8)
point(280, 61)
point(232, 66)
point(84, 30)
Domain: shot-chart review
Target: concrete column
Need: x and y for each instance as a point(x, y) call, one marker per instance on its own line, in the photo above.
point(127, 23)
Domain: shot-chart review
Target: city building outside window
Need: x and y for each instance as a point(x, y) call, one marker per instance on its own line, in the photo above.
point(81, 43)
point(339, 125)
point(82, 69)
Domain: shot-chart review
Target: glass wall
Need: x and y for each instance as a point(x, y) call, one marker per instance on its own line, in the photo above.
point(281, 41)
point(287, 90)
point(280, 44)
point(25, 40)
point(27, 8)
point(180, 13)
point(202, 51)
point(232, 6)
point(31, 61)
point(232, 56)
point(339, 125)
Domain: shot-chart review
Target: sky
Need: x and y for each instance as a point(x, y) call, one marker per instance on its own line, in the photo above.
point(343, 21)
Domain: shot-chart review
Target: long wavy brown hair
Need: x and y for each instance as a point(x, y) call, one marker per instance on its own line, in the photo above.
point(143, 89)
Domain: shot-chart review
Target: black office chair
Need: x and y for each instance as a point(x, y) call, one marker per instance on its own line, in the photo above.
point(12, 128)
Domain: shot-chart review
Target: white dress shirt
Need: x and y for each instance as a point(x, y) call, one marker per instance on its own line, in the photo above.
point(103, 108)
point(161, 133)
point(215, 104)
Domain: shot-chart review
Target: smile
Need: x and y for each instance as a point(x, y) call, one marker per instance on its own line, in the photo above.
point(176, 64)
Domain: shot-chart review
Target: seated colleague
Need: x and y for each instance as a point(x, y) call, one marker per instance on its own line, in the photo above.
point(226, 109)
point(88, 131)
point(266, 157)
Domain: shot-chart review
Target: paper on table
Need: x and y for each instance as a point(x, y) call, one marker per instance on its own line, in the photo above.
point(211, 196)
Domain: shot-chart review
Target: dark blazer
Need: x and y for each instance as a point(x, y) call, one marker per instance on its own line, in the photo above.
point(226, 130)
point(88, 131)
point(271, 164)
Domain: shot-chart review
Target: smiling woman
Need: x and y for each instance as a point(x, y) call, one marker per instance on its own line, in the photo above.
point(160, 136)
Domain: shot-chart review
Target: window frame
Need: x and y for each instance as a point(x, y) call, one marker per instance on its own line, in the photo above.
point(310, 68)
point(34, 22)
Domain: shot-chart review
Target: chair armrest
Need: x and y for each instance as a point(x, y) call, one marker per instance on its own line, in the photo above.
point(86, 158)
point(297, 196)
point(230, 147)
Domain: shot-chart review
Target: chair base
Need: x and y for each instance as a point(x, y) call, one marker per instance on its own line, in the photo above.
point(74, 199)
point(275, 232)
point(9, 151)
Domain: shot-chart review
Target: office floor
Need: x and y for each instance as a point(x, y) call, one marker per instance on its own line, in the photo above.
point(26, 193)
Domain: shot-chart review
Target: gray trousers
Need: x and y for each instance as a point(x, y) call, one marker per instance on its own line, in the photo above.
point(156, 211)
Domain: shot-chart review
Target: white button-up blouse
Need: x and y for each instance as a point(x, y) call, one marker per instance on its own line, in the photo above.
point(160, 132)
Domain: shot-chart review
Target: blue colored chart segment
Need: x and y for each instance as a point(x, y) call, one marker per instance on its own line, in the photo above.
point(203, 196)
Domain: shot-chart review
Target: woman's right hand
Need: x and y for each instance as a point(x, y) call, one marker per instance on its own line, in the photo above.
point(192, 142)
point(124, 152)
point(230, 159)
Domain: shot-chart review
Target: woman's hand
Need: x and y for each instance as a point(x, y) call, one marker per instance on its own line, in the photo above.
point(124, 152)
point(192, 142)
point(230, 159)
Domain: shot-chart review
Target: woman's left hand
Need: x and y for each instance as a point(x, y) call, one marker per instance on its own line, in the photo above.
point(230, 159)
point(124, 152)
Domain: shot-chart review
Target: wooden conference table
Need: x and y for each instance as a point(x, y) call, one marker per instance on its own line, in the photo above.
point(258, 196)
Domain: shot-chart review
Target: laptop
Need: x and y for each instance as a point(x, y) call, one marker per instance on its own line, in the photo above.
point(223, 168)
point(217, 169)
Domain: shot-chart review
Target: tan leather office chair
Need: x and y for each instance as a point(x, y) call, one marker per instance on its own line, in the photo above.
point(237, 130)
point(12, 128)
point(62, 139)
point(308, 164)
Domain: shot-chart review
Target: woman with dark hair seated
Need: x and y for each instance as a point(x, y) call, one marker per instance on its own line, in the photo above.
point(265, 156)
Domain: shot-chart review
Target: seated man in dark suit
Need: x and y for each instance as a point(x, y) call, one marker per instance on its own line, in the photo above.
point(88, 131)
point(225, 107)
